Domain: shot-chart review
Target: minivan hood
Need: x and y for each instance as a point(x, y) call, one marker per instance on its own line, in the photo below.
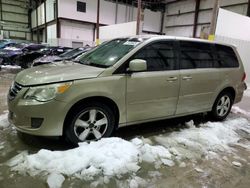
point(56, 72)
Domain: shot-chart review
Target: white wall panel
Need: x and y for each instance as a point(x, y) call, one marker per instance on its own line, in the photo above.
point(51, 34)
point(152, 21)
point(180, 31)
point(233, 25)
point(73, 32)
point(107, 12)
point(179, 20)
point(234, 28)
point(117, 30)
point(68, 9)
point(180, 7)
point(50, 11)
point(121, 16)
point(41, 15)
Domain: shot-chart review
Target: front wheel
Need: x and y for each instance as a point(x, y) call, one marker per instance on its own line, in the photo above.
point(90, 122)
point(222, 106)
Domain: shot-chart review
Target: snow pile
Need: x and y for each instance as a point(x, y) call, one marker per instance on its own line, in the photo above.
point(55, 180)
point(205, 140)
point(108, 157)
point(238, 110)
point(111, 157)
point(4, 120)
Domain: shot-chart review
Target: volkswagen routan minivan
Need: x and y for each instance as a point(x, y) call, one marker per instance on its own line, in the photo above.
point(127, 81)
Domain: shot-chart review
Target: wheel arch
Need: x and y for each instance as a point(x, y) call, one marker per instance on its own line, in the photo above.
point(109, 102)
point(230, 90)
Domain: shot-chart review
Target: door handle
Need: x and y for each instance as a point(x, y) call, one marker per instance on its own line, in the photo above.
point(186, 77)
point(172, 79)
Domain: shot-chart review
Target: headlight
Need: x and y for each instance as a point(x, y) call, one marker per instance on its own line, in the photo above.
point(47, 92)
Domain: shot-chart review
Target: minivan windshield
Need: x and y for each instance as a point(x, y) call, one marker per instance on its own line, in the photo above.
point(110, 52)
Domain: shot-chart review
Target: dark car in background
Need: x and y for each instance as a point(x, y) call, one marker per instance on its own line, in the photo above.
point(26, 59)
point(9, 55)
point(70, 55)
point(6, 42)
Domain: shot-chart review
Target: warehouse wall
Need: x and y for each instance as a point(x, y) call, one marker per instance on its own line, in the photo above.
point(179, 16)
point(67, 9)
point(14, 19)
point(79, 26)
point(76, 33)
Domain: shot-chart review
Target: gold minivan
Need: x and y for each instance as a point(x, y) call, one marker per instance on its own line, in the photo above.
point(127, 81)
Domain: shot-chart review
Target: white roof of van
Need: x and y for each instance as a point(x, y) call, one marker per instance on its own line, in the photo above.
point(155, 37)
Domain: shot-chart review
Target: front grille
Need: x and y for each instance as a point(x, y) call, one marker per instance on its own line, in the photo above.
point(14, 90)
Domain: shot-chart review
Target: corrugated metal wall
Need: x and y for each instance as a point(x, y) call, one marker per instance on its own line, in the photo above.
point(15, 19)
point(179, 16)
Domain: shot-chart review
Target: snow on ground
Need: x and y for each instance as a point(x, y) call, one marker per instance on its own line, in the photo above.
point(108, 157)
point(206, 140)
point(55, 180)
point(10, 67)
point(115, 157)
point(247, 92)
point(4, 120)
point(238, 110)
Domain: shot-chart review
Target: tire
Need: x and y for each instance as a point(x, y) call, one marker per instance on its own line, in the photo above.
point(222, 106)
point(89, 122)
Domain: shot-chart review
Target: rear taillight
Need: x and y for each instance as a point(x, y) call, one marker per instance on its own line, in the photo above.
point(244, 77)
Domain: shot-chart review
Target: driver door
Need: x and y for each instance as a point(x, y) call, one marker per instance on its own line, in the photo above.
point(153, 94)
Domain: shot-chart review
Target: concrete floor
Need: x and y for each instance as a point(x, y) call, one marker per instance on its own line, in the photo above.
point(219, 173)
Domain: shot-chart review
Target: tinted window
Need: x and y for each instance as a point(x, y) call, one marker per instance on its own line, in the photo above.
point(159, 56)
point(195, 55)
point(226, 56)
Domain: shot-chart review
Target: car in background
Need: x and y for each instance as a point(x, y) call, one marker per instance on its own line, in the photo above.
point(10, 54)
point(5, 43)
point(26, 59)
point(69, 55)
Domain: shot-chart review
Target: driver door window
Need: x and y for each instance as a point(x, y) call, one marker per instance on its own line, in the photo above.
point(159, 56)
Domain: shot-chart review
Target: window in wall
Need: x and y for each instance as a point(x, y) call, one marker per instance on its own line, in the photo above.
point(226, 56)
point(196, 55)
point(81, 6)
point(159, 56)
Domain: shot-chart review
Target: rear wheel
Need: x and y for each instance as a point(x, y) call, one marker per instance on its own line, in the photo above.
point(90, 122)
point(222, 106)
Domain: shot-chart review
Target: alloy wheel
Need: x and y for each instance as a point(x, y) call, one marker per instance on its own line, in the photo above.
point(91, 125)
point(223, 106)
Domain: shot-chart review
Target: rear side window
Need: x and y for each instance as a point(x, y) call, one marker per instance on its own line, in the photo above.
point(159, 56)
point(226, 57)
point(195, 55)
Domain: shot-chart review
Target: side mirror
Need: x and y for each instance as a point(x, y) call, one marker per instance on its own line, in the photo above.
point(137, 65)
